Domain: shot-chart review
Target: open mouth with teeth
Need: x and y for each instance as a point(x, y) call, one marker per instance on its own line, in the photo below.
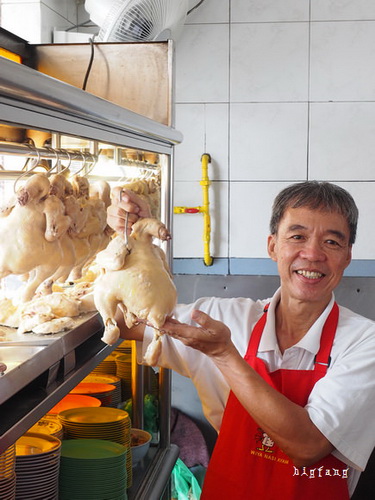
point(312, 275)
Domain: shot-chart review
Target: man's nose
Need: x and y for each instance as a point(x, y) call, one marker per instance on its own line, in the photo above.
point(313, 250)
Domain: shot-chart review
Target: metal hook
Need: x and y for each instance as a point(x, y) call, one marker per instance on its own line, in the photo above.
point(26, 172)
point(70, 161)
point(84, 159)
point(57, 159)
point(93, 163)
point(37, 160)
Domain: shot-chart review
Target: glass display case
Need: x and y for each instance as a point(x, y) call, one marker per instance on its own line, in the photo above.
point(50, 126)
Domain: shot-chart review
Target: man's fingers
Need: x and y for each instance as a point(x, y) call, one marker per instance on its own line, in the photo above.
point(204, 320)
point(134, 203)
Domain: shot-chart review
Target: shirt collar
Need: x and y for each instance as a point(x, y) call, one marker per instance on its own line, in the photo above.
point(309, 342)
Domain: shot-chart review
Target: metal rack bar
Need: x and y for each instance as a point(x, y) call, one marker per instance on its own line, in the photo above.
point(47, 153)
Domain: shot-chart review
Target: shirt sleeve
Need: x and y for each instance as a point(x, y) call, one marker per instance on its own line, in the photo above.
point(341, 404)
point(211, 386)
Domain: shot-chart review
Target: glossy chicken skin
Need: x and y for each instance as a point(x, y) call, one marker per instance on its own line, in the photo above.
point(27, 240)
point(136, 277)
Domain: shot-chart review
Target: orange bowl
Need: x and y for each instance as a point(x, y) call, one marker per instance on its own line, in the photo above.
point(71, 401)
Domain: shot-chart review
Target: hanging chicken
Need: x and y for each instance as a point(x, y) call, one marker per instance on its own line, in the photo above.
point(136, 277)
point(29, 233)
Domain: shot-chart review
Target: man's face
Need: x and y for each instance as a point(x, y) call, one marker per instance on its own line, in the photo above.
point(312, 251)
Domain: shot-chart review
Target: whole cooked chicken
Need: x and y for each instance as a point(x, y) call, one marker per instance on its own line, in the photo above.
point(94, 231)
point(29, 243)
point(135, 276)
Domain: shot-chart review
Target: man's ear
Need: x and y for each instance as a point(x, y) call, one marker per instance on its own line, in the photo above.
point(271, 244)
point(349, 256)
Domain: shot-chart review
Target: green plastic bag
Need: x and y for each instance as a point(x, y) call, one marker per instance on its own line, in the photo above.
point(184, 484)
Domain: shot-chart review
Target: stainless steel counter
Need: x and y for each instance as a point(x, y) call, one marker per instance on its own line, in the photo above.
point(42, 369)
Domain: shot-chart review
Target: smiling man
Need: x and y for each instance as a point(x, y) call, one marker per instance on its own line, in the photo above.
point(289, 382)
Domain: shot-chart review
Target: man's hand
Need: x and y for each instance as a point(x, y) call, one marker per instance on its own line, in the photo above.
point(123, 201)
point(211, 337)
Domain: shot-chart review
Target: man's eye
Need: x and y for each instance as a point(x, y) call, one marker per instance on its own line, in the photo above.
point(333, 242)
point(296, 237)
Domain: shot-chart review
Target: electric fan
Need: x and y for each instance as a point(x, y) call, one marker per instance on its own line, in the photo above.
point(138, 20)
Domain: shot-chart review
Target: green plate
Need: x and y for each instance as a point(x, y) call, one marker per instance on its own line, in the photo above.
point(91, 449)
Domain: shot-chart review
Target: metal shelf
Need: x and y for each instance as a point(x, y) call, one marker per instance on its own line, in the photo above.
point(29, 391)
point(73, 355)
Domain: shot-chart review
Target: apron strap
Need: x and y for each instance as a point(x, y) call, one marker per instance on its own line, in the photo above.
point(256, 334)
point(322, 358)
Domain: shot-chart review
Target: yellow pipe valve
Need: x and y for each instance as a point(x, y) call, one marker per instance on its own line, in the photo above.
point(204, 209)
point(187, 210)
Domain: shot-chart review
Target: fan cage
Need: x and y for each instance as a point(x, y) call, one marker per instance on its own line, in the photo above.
point(143, 20)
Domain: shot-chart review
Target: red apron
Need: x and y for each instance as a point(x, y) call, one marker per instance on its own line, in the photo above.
point(247, 464)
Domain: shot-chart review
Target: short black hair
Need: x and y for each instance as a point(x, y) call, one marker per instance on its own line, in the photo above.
point(316, 195)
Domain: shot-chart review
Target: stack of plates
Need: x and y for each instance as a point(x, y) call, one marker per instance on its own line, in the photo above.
point(125, 347)
point(104, 378)
point(124, 372)
point(48, 426)
point(103, 392)
point(37, 466)
point(71, 401)
point(108, 365)
point(92, 469)
point(8, 474)
point(110, 424)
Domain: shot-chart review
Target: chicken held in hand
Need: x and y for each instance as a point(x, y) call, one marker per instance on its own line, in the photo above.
point(136, 277)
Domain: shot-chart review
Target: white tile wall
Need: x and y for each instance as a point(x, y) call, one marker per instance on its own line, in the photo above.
point(251, 203)
point(337, 10)
point(190, 120)
point(51, 19)
point(64, 8)
point(202, 64)
point(210, 12)
point(268, 141)
point(34, 20)
point(342, 145)
point(4, 2)
point(342, 61)
point(205, 128)
point(363, 193)
point(269, 11)
point(22, 19)
point(269, 62)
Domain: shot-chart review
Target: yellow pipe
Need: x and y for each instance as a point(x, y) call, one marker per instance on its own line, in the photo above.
point(205, 183)
point(204, 209)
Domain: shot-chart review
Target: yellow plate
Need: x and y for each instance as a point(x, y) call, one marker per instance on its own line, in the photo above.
point(102, 378)
point(103, 414)
point(46, 426)
point(33, 443)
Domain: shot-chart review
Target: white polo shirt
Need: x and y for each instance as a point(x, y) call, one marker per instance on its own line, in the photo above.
point(341, 405)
